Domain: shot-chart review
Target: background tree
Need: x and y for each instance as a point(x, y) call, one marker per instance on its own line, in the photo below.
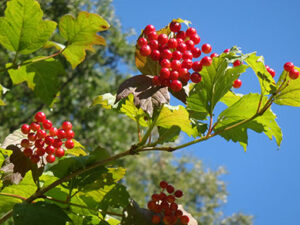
point(101, 73)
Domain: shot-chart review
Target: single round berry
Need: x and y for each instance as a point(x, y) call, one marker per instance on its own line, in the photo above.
point(171, 198)
point(195, 38)
point(41, 134)
point(27, 152)
point(142, 41)
point(187, 63)
point(272, 72)
point(156, 81)
point(153, 44)
point(196, 52)
point(35, 126)
point(206, 48)
point(190, 32)
point(237, 63)
point(196, 77)
point(50, 149)
point(25, 143)
point(294, 74)
point(49, 140)
point(176, 85)
point(155, 55)
point(176, 65)
point(145, 50)
point(39, 143)
point(57, 143)
point(214, 55)
point(189, 44)
point(288, 66)
point(35, 158)
point(170, 189)
point(61, 134)
point(182, 47)
point(25, 128)
point(151, 205)
point(53, 131)
point(174, 75)
point(47, 124)
point(148, 29)
point(179, 41)
point(166, 54)
point(67, 125)
point(40, 151)
point(187, 55)
point(237, 83)
point(226, 50)
point(181, 34)
point(155, 197)
point(184, 219)
point(59, 152)
point(178, 213)
point(165, 63)
point(206, 61)
point(69, 144)
point(178, 194)
point(155, 219)
point(174, 206)
point(185, 78)
point(164, 73)
point(152, 36)
point(197, 66)
point(183, 71)
point(162, 39)
point(175, 26)
point(165, 82)
point(31, 136)
point(50, 158)
point(172, 43)
point(70, 134)
point(40, 117)
point(163, 184)
point(177, 55)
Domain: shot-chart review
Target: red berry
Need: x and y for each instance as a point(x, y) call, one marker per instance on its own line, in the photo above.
point(40, 151)
point(39, 143)
point(272, 72)
point(40, 117)
point(176, 65)
point(155, 219)
point(170, 189)
point(69, 144)
point(151, 205)
point(196, 52)
point(189, 44)
point(166, 54)
point(178, 193)
point(206, 48)
point(294, 74)
point(47, 124)
point(195, 38)
point(49, 140)
point(190, 32)
point(175, 26)
point(67, 125)
point(182, 47)
point(174, 75)
point(187, 55)
point(164, 73)
point(214, 55)
point(176, 85)
point(153, 44)
point(57, 143)
point(152, 36)
point(288, 66)
point(155, 55)
point(25, 143)
point(187, 63)
point(183, 72)
point(185, 78)
point(61, 134)
point(196, 77)
point(172, 43)
point(155, 197)
point(174, 206)
point(206, 61)
point(237, 83)
point(156, 81)
point(227, 50)
point(142, 41)
point(41, 134)
point(50, 149)
point(163, 184)
point(25, 128)
point(50, 158)
point(70, 134)
point(35, 158)
point(31, 136)
point(165, 63)
point(181, 35)
point(35, 126)
point(27, 152)
point(170, 198)
point(165, 82)
point(176, 55)
point(59, 152)
point(184, 219)
point(145, 50)
point(179, 41)
point(197, 66)
point(178, 213)
point(53, 131)
point(148, 29)
point(162, 39)
point(237, 63)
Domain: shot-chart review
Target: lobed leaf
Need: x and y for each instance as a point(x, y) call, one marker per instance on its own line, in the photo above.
point(22, 28)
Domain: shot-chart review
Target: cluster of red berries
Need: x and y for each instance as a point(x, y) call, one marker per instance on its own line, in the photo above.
point(290, 68)
point(165, 207)
point(175, 54)
point(41, 133)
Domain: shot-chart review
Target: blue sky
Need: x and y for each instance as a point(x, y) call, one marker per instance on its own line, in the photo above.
point(264, 181)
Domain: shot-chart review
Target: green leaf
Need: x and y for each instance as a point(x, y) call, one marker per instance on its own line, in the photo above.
point(175, 116)
point(266, 81)
point(107, 101)
point(35, 213)
point(53, 44)
point(230, 98)
point(78, 149)
point(81, 35)
point(245, 109)
point(168, 135)
point(42, 77)
point(217, 80)
point(22, 28)
point(291, 94)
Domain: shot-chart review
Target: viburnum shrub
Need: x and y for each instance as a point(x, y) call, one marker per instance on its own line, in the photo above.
point(83, 186)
